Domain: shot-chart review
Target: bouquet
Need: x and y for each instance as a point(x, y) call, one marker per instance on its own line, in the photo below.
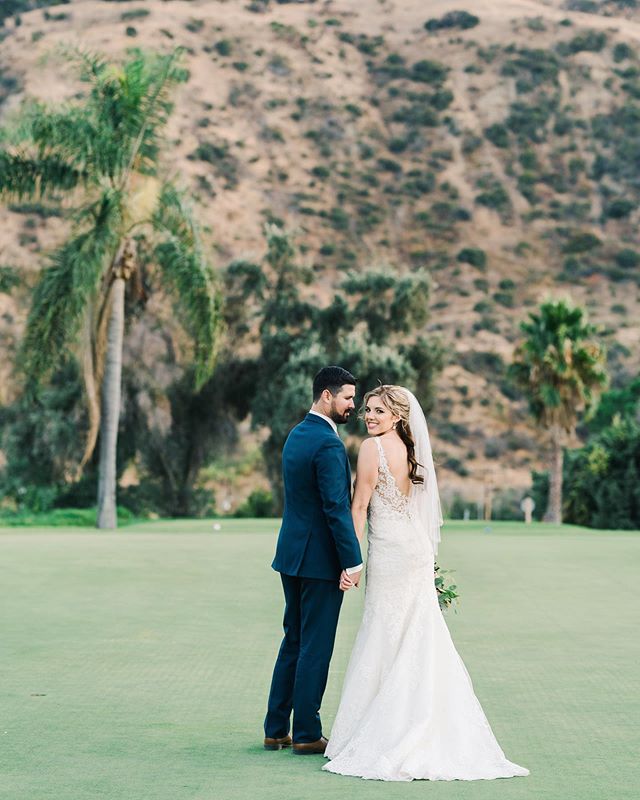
point(446, 591)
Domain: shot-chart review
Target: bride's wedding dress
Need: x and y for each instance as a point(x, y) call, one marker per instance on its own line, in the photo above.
point(408, 709)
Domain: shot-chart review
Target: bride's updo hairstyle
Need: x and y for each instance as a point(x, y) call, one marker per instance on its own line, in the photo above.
point(395, 399)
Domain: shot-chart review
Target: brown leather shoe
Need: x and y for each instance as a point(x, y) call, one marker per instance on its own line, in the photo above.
point(310, 748)
point(277, 744)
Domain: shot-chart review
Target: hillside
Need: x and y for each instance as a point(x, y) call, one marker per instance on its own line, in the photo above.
point(502, 153)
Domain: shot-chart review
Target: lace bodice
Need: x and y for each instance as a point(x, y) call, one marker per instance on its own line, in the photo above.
point(387, 499)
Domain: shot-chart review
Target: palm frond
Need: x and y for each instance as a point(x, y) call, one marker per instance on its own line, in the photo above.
point(66, 287)
point(131, 104)
point(69, 133)
point(148, 79)
point(189, 276)
point(559, 365)
point(23, 176)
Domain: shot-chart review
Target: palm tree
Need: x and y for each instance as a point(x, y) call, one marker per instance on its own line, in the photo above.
point(561, 368)
point(102, 152)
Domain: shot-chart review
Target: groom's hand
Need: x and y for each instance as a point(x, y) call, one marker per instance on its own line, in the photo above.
point(348, 581)
point(345, 581)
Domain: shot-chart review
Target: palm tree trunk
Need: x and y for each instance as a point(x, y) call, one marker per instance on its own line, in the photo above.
point(110, 412)
point(554, 507)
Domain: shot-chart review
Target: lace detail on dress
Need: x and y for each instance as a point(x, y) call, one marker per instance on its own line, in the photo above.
point(387, 488)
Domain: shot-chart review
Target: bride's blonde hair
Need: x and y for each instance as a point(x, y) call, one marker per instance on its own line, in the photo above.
point(395, 399)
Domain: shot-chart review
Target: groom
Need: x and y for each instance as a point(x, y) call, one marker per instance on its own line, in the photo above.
point(317, 542)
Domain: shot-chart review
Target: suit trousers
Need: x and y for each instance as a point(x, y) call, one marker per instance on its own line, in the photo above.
point(312, 607)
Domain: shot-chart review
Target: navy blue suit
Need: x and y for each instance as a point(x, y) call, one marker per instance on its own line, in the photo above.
point(316, 542)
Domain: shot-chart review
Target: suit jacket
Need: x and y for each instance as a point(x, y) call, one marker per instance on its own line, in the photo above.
point(317, 538)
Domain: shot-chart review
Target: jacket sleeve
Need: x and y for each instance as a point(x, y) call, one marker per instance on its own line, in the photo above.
point(330, 465)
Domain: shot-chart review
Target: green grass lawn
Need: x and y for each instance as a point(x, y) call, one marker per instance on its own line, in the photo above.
point(135, 665)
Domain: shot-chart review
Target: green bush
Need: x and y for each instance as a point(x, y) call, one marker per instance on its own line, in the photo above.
point(494, 196)
point(532, 68)
point(369, 45)
point(9, 279)
point(452, 19)
point(398, 145)
point(536, 24)
point(486, 323)
point(223, 47)
point(56, 17)
point(471, 143)
point(581, 243)
point(528, 121)
point(506, 505)
point(259, 504)
point(194, 25)
point(619, 208)
point(392, 68)
point(474, 256)
point(452, 432)
point(419, 183)
point(60, 517)
point(622, 52)
point(440, 100)
point(416, 115)
point(270, 134)
point(432, 72)
point(505, 299)
point(589, 41)
point(321, 172)
point(623, 403)
point(455, 465)
point(368, 215)
point(389, 165)
point(13, 8)
point(601, 481)
point(627, 258)
point(134, 13)
point(339, 218)
point(482, 362)
point(497, 134)
point(459, 505)
point(584, 6)
point(217, 154)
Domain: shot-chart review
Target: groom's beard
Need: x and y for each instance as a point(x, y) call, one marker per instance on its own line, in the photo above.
point(338, 418)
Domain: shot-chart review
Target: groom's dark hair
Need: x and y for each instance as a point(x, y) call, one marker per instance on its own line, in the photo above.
point(333, 379)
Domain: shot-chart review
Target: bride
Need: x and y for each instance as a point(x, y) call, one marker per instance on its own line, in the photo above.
point(408, 709)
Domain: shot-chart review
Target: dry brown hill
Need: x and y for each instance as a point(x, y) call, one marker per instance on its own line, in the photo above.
point(505, 157)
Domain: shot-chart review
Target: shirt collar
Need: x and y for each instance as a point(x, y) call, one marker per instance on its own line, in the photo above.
point(325, 418)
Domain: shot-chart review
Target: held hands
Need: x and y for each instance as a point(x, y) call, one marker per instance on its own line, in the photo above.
point(349, 581)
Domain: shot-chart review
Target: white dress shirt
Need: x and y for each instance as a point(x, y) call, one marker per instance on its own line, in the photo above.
point(350, 570)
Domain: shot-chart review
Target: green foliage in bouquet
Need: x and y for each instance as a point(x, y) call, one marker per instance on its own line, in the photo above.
point(447, 593)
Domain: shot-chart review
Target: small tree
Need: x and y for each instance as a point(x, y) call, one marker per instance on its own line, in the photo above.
point(561, 369)
point(372, 325)
point(103, 151)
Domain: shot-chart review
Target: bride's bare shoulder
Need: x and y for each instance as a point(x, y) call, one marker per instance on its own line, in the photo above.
point(368, 449)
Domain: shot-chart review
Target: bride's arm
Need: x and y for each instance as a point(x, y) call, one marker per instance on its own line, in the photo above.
point(366, 479)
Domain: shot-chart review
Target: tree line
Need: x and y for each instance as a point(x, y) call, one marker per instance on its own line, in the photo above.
point(249, 335)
